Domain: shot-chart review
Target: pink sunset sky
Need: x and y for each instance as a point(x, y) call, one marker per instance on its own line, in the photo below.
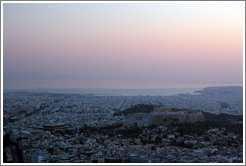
point(122, 45)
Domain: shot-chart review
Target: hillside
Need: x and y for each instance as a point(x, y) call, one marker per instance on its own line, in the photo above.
point(140, 108)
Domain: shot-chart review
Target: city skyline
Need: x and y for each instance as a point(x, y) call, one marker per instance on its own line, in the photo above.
point(122, 45)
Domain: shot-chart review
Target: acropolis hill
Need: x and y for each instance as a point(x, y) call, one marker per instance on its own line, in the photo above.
point(162, 115)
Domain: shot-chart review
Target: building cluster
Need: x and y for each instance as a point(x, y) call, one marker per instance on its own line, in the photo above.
point(161, 144)
point(48, 127)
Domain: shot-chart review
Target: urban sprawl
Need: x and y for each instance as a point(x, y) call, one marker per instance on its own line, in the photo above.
point(206, 127)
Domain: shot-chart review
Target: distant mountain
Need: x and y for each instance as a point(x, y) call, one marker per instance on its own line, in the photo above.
point(221, 90)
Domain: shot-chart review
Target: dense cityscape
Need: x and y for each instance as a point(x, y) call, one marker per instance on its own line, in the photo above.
point(122, 82)
point(42, 127)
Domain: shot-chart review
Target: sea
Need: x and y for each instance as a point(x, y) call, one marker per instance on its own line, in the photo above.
point(166, 91)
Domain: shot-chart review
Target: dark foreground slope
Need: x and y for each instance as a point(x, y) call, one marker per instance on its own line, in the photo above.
point(232, 123)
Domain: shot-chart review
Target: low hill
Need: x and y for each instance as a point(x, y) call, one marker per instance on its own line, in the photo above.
point(233, 123)
point(140, 108)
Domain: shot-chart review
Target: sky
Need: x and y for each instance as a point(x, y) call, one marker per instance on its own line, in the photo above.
point(122, 45)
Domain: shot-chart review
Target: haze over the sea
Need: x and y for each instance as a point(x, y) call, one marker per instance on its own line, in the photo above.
point(123, 45)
